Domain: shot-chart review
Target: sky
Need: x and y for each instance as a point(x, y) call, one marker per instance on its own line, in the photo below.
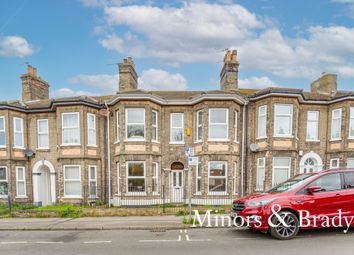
point(176, 45)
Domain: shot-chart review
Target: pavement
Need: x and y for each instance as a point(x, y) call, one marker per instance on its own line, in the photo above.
point(93, 223)
point(206, 241)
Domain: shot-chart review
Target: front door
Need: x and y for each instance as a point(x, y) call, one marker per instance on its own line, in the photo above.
point(44, 187)
point(177, 186)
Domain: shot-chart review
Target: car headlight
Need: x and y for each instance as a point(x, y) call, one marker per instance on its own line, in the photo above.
point(257, 203)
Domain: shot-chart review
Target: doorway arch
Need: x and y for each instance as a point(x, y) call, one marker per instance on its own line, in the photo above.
point(311, 162)
point(43, 177)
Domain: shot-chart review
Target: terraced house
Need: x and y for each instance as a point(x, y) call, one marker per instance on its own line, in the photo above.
point(128, 148)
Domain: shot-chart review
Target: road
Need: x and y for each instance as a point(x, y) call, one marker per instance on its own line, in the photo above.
point(191, 241)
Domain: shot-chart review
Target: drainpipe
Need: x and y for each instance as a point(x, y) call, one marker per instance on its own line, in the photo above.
point(108, 156)
point(244, 119)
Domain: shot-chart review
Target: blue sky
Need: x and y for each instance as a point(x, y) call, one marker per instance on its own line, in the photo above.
point(175, 44)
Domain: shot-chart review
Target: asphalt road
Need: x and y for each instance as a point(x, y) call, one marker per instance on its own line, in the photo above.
point(191, 241)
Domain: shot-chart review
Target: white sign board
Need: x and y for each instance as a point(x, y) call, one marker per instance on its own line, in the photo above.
point(192, 161)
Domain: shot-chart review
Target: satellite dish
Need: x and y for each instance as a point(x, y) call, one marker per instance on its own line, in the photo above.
point(254, 147)
point(28, 153)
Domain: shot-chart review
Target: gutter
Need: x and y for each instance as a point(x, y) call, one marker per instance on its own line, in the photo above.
point(108, 156)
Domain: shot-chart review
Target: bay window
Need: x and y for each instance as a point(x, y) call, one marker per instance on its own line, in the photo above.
point(72, 182)
point(136, 177)
point(336, 124)
point(312, 125)
point(283, 120)
point(18, 133)
point(177, 128)
point(218, 124)
point(135, 124)
point(43, 134)
point(281, 169)
point(2, 132)
point(262, 121)
point(91, 130)
point(217, 175)
point(70, 128)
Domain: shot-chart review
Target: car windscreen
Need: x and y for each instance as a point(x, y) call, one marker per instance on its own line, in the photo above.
point(292, 183)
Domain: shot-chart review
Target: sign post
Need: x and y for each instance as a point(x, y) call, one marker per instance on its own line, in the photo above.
point(192, 161)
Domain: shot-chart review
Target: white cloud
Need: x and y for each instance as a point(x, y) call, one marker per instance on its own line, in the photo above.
point(15, 46)
point(151, 79)
point(67, 92)
point(106, 83)
point(156, 79)
point(256, 82)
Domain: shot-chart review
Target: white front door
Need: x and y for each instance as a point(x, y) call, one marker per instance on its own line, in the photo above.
point(44, 187)
point(177, 186)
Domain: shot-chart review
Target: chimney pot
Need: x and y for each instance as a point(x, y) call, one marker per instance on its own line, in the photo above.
point(229, 72)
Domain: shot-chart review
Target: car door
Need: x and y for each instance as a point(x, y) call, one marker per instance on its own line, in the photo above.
point(328, 200)
point(348, 196)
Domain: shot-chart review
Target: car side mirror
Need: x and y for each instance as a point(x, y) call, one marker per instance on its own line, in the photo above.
point(313, 189)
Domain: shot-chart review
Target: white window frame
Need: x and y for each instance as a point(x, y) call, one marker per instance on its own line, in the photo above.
point(236, 126)
point(133, 193)
point(16, 146)
point(90, 179)
point(198, 177)
point(340, 125)
point(234, 179)
point(39, 133)
point(141, 123)
point(181, 127)
point(317, 125)
point(72, 180)
point(21, 181)
point(94, 128)
point(351, 122)
point(155, 177)
point(260, 186)
point(117, 127)
point(154, 126)
point(331, 163)
point(284, 115)
point(5, 181)
point(274, 167)
point(3, 131)
point(263, 118)
point(62, 128)
point(199, 124)
point(349, 159)
point(221, 124)
point(118, 179)
point(218, 177)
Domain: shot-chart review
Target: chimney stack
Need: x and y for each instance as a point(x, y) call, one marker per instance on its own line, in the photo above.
point(229, 72)
point(33, 87)
point(128, 78)
point(325, 85)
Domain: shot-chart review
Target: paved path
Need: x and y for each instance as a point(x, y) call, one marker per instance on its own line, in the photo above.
point(173, 242)
point(92, 223)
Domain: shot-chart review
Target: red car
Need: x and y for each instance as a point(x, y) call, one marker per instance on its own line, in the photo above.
point(311, 200)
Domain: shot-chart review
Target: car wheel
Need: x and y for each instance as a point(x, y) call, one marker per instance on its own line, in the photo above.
point(284, 232)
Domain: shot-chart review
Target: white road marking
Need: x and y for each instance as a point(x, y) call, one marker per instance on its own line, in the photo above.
point(24, 242)
point(96, 242)
point(45, 242)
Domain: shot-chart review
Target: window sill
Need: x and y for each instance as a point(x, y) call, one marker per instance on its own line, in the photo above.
point(349, 138)
point(199, 141)
point(219, 140)
point(21, 197)
point(156, 142)
point(197, 194)
point(172, 143)
point(237, 142)
point(261, 137)
point(217, 194)
point(140, 194)
point(335, 139)
point(133, 140)
point(72, 197)
point(155, 193)
point(4, 196)
point(283, 136)
point(116, 142)
point(18, 148)
point(70, 145)
point(2, 147)
point(92, 146)
point(42, 149)
point(313, 141)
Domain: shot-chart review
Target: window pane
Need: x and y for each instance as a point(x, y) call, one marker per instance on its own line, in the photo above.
point(92, 137)
point(177, 135)
point(218, 131)
point(73, 188)
point(135, 115)
point(2, 124)
point(336, 128)
point(217, 169)
point(154, 118)
point(3, 188)
point(18, 140)
point(2, 138)
point(217, 185)
point(312, 131)
point(21, 188)
point(282, 125)
point(70, 120)
point(135, 169)
point(350, 163)
point(328, 182)
point(91, 121)
point(92, 173)
point(281, 162)
point(43, 141)
point(20, 176)
point(93, 188)
point(18, 125)
point(177, 120)
point(312, 116)
point(136, 185)
point(2, 173)
point(283, 109)
point(135, 131)
point(336, 113)
point(262, 126)
point(42, 126)
point(218, 116)
point(71, 136)
point(72, 173)
point(280, 175)
point(260, 178)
